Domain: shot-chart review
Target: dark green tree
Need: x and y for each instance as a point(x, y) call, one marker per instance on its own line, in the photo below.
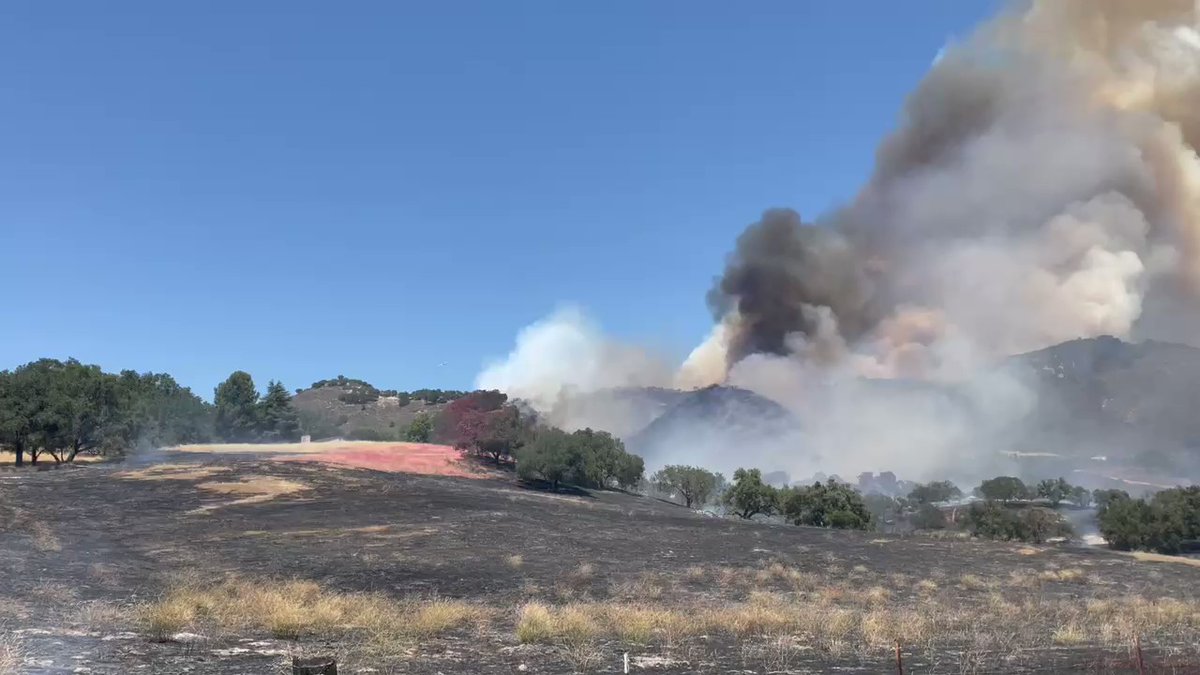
point(1103, 498)
point(937, 491)
point(749, 496)
point(1081, 496)
point(1004, 489)
point(420, 430)
point(548, 457)
point(829, 504)
point(694, 484)
point(630, 470)
point(277, 419)
point(236, 401)
point(1054, 490)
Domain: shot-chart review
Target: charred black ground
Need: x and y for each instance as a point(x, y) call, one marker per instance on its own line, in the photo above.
point(102, 544)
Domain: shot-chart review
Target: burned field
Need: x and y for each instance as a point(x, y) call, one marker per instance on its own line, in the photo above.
point(223, 564)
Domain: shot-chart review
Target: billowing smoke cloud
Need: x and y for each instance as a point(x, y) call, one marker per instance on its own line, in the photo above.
point(1042, 185)
point(566, 354)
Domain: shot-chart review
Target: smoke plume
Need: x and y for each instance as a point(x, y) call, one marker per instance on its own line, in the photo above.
point(1042, 184)
point(567, 354)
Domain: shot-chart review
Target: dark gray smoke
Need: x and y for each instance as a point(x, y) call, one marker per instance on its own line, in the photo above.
point(780, 271)
point(1042, 185)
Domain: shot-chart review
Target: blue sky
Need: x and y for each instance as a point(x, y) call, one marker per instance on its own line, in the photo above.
point(391, 190)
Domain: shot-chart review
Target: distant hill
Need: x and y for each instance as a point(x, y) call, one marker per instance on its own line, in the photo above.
point(350, 408)
point(1135, 403)
point(709, 426)
point(622, 411)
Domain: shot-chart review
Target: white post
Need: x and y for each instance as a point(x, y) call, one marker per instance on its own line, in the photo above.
point(626, 662)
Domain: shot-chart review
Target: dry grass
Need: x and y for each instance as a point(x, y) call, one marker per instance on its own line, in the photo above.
point(1072, 575)
point(1069, 634)
point(292, 609)
point(255, 490)
point(172, 472)
point(836, 620)
point(973, 582)
point(44, 539)
point(514, 561)
point(99, 615)
point(12, 656)
point(1159, 557)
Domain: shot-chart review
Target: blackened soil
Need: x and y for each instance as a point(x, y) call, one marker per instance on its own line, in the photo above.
point(120, 540)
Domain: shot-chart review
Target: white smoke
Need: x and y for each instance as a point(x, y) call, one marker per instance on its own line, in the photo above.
point(567, 353)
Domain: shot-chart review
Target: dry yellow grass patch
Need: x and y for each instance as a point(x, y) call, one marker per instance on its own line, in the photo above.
point(973, 582)
point(291, 609)
point(1025, 550)
point(172, 472)
point(514, 561)
point(256, 490)
point(539, 623)
point(12, 656)
point(99, 615)
point(1072, 575)
point(695, 574)
point(1069, 634)
point(927, 586)
point(44, 539)
point(1160, 557)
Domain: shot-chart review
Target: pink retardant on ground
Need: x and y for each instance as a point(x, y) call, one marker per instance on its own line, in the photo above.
point(420, 458)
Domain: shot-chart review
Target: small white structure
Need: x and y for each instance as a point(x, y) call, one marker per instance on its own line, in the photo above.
point(306, 438)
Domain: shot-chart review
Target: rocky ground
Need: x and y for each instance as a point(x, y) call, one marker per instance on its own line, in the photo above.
point(167, 568)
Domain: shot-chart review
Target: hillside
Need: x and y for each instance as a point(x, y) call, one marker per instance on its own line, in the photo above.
point(383, 413)
point(709, 425)
point(1126, 402)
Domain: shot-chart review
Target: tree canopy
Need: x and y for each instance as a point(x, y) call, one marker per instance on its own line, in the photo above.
point(586, 458)
point(694, 484)
point(64, 408)
point(829, 504)
point(749, 496)
point(1003, 488)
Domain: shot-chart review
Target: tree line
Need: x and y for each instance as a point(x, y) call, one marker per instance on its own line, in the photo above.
point(65, 408)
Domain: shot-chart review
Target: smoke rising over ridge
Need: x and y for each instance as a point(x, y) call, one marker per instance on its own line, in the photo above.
point(1042, 184)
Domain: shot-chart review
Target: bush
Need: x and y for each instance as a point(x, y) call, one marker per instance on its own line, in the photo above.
point(993, 520)
point(369, 434)
point(1164, 524)
point(831, 504)
point(929, 517)
point(358, 397)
